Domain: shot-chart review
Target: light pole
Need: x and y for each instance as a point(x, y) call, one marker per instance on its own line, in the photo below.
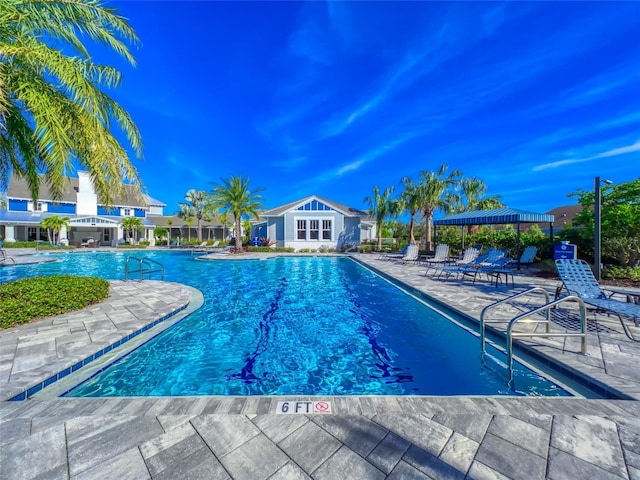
point(597, 234)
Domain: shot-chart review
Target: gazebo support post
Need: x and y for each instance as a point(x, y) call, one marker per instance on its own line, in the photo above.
point(518, 243)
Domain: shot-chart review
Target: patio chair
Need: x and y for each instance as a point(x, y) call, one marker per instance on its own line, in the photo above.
point(440, 256)
point(394, 256)
point(412, 254)
point(487, 267)
point(469, 256)
point(528, 255)
point(459, 267)
point(578, 279)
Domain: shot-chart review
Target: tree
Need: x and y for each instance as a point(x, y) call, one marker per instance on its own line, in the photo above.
point(412, 201)
point(131, 225)
point(620, 216)
point(379, 208)
point(433, 187)
point(54, 226)
point(197, 205)
point(53, 110)
point(188, 220)
point(473, 196)
point(234, 196)
point(160, 233)
point(169, 223)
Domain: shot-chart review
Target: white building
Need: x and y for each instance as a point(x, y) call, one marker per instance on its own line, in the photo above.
point(313, 223)
point(89, 218)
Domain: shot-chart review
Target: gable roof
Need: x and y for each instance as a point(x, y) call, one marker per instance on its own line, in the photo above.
point(345, 210)
point(496, 216)
point(19, 189)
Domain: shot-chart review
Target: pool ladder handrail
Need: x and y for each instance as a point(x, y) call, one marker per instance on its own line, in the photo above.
point(152, 267)
point(524, 317)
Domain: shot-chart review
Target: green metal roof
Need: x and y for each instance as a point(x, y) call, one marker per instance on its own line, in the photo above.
point(494, 217)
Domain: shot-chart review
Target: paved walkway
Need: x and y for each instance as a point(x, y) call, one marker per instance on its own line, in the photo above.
point(364, 437)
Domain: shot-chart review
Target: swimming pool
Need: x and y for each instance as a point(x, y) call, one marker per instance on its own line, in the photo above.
point(295, 326)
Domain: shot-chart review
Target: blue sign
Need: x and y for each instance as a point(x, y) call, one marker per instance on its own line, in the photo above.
point(565, 251)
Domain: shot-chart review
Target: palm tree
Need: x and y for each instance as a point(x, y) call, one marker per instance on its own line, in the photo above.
point(198, 204)
point(473, 196)
point(169, 223)
point(131, 225)
point(53, 110)
point(188, 220)
point(433, 188)
point(412, 200)
point(233, 196)
point(379, 208)
point(54, 225)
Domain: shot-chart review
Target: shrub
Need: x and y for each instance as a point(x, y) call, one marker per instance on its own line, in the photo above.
point(616, 272)
point(56, 247)
point(260, 249)
point(126, 245)
point(20, 244)
point(27, 299)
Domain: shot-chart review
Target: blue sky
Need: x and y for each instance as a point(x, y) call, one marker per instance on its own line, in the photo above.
point(332, 98)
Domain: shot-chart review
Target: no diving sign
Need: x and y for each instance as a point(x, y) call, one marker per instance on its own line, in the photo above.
point(303, 407)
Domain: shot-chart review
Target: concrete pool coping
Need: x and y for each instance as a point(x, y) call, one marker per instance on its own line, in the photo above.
point(365, 437)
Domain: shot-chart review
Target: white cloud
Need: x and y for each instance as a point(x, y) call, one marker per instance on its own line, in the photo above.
point(609, 153)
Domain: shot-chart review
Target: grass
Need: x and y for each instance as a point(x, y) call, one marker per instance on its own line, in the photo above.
point(28, 299)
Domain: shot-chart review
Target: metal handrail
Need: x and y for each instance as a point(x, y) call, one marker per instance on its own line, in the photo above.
point(505, 300)
point(149, 263)
point(546, 307)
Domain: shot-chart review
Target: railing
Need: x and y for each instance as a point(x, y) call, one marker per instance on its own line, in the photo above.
point(507, 300)
point(146, 266)
point(511, 334)
point(525, 318)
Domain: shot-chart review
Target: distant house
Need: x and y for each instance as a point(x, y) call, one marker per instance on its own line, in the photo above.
point(89, 218)
point(563, 218)
point(314, 222)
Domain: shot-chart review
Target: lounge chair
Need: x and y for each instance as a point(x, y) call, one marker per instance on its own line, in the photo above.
point(411, 255)
point(440, 256)
point(469, 256)
point(488, 268)
point(394, 256)
point(528, 255)
point(578, 279)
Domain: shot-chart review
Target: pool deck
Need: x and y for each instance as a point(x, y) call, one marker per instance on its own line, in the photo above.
point(363, 438)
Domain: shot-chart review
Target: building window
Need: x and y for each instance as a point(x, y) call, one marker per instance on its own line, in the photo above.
point(314, 230)
point(326, 229)
point(126, 212)
point(32, 234)
point(37, 207)
point(302, 230)
point(106, 234)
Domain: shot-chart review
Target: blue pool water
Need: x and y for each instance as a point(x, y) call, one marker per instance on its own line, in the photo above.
point(294, 326)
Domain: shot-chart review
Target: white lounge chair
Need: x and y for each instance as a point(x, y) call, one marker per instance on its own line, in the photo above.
point(394, 256)
point(470, 255)
point(578, 279)
point(411, 255)
point(440, 256)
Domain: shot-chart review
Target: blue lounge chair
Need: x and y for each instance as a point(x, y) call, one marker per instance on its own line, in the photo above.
point(528, 255)
point(578, 279)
